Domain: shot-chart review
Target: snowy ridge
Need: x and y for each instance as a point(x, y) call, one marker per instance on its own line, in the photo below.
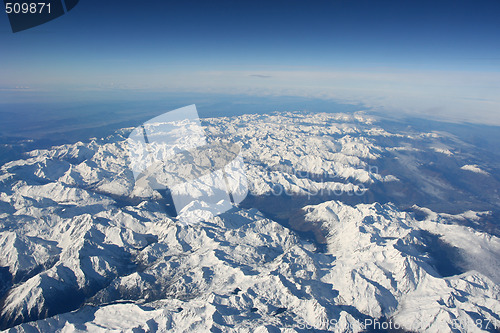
point(77, 232)
point(386, 269)
point(474, 168)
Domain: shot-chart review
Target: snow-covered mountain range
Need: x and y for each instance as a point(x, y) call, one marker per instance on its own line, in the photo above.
point(351, 224)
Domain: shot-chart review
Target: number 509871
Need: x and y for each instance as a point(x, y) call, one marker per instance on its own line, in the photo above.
point(27, 8)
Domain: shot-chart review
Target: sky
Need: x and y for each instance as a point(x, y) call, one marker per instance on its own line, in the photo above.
point(417, 57)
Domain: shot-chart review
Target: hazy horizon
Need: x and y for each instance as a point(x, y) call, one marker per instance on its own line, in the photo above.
point(430, 59)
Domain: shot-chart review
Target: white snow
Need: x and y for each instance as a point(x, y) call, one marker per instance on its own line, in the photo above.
point(474, 168)
point(74, 223)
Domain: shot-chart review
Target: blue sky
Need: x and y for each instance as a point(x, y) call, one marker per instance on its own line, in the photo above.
point(428, 57)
